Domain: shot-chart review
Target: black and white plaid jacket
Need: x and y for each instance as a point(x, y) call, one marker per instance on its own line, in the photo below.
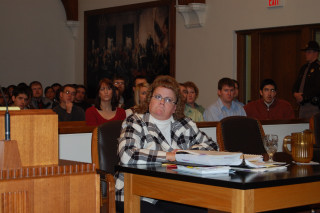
point(141, 142)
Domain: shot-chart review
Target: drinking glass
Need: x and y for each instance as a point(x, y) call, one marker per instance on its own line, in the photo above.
point(270, 143)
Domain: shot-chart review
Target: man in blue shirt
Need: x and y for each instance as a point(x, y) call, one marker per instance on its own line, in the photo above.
point(225, 105)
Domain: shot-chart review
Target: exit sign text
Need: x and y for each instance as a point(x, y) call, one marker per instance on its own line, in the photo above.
point(275, 3)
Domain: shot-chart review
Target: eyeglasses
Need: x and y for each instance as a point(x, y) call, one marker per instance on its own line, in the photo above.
point(166, 99)
point(71, 93)
point(118, 83)
point(267, 90)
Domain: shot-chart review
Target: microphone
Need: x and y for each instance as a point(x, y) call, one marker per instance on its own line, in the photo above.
point(7, 118)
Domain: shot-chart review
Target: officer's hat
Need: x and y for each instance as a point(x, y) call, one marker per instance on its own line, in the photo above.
point(312, 45)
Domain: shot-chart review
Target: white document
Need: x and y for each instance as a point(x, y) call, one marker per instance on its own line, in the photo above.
point(209, 158)
point(204, 170)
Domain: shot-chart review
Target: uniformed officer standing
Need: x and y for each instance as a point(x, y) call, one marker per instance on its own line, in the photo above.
point(306, 89)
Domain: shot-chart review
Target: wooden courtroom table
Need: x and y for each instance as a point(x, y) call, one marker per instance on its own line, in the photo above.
point(243, 192)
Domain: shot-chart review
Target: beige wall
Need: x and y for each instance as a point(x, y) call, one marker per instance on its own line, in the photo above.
point(36, 44)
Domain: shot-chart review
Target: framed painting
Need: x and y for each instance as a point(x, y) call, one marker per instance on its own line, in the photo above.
point(129, 41)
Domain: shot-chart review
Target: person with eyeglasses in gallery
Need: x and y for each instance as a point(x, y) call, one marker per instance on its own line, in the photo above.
point(66, 110)
point(37, 100)
point(154, 134)
point(105, 108)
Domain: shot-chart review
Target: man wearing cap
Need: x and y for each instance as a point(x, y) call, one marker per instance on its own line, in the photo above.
point(306, 89)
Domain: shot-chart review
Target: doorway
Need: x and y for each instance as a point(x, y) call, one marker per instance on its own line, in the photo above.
point(272, 53)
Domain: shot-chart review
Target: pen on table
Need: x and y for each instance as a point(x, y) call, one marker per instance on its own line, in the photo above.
point(169, 165)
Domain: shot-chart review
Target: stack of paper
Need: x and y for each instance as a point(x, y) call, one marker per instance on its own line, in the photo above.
point(204, 170)
point(251, 157)
point(209, 158)
point(220, 161)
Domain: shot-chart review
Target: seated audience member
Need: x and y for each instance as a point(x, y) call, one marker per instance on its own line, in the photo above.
point(20, 97)
point(29, 91)
point(140, 94)
point(183, 92)
point(66, 110)
point(140, 79)
point(22, 84)
point(80, 99)
point(49, 93)
point(125, 101)
point(3, 100)
point(37, 100)
point(194, 114)
point(269, 107)
point(106, 105)
point(153, 135)
point(10, 89)
point(56, 87)
point(192, 108)
point(225, 106)
point(236, 92)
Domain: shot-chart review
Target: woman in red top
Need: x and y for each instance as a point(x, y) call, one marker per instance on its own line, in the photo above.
point(106, 103)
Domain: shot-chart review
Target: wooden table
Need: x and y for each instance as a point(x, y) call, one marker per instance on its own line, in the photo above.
point(238, 192)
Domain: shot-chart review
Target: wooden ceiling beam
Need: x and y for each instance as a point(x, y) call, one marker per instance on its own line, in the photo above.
point(71, 8)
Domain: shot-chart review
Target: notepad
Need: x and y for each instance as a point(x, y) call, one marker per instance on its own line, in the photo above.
point(204, 170)
point(260, 169)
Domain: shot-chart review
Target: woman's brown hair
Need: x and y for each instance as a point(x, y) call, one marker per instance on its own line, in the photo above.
point(169, 83)
point(114, 99)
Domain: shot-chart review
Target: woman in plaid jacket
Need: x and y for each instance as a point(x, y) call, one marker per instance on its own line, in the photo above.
point(153, 135)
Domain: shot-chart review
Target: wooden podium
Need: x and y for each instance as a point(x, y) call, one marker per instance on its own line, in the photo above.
point(40, 184)
point(36, 132)
point(64, 189)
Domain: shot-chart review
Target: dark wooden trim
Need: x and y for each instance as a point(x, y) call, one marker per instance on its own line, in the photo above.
point(255, 66)
point(263, 122)
point(206, 124)
point(241, 66)
point(172, 38)
point(72, 127)
point(30, 112)
point(277, 29)
point(275, 122)
point(135, 7)
point(185, 2)
point(71, 8)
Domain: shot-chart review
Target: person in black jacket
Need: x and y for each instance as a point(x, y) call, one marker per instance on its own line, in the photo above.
point(306, 89)
point(66, 110)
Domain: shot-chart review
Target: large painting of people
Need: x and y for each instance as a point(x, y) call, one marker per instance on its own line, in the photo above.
point(129, 41)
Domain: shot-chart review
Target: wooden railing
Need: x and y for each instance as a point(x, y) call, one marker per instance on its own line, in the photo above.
point(45, 171)
point(71, 127)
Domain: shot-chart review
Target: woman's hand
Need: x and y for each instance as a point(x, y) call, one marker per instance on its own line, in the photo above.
point(171, 156)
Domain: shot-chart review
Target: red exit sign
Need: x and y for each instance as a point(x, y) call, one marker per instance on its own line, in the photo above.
point(275, 3)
